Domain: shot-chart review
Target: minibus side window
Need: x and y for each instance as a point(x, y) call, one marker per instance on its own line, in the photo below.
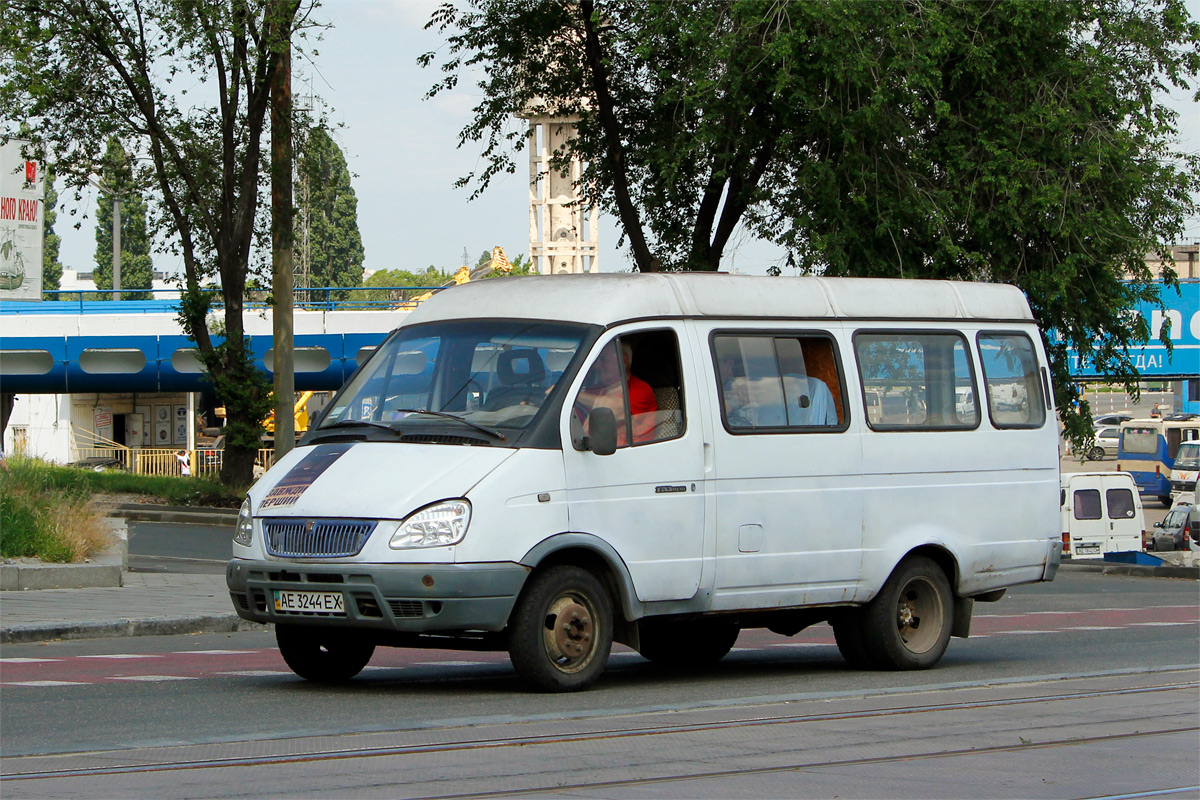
point(916, 381)
point(1087, 504)
point(778, 383)
point(638, 377)
point(1014, 393)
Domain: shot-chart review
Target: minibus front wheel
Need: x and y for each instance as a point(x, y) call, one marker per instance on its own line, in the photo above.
point(561, 631)
point(324, 655)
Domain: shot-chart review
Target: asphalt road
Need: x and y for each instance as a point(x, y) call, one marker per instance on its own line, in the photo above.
point(1085, 687)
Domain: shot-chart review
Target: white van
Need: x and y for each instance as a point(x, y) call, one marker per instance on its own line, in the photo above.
point(548, 465)
point(1101, 513)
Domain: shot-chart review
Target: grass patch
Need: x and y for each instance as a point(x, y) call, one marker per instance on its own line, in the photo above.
point(45, 509)
point(41, 520)
point(175, 491)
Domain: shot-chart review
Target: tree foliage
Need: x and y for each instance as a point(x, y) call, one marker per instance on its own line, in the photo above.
point(996, 140)
point(52, 268)
point(327, 238)
point(137, 267)
point(185, 84)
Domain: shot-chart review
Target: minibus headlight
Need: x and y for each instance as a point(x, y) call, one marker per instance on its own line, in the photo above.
point(244, 532)
point(438, 525)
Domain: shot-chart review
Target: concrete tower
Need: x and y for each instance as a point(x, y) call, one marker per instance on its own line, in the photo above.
point(563, 234)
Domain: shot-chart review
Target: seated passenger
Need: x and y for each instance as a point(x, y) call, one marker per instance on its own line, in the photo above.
point(603, 388)
point(814, 403)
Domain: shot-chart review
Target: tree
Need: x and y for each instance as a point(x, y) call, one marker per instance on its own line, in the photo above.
point(187, 84)
point(327, 224)
point(52, 268)
point(1002, 141)
point(137, 267)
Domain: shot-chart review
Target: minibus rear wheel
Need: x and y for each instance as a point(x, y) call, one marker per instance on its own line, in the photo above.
point(907, 626)
point(561, 631)
point(324, 655)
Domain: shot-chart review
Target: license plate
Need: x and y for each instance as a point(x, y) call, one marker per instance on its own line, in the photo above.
point(1087, 547)
point(310, 602)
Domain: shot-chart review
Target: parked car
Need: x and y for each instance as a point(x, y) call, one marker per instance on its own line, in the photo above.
point(1172, 532)
point(1106, 443)
point(1110, 419)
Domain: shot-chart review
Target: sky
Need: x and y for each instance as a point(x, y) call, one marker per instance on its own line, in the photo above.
point(403, 153)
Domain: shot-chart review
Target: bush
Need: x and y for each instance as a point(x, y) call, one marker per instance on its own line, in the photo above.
point(176, 491)
point(39, 519)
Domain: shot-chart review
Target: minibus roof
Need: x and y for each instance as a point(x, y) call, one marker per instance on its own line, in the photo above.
point(605, 299)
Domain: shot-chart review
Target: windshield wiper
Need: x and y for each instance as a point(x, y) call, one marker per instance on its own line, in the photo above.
point(456, 418)
point(358, 423)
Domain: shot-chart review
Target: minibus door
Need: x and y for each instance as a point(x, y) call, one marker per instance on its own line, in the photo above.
point(646, 500)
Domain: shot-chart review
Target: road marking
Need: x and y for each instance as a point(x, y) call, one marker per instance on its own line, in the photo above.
point(1092, 628)
point(216, 652)
point(443, 664)
point(150, 678)
point(123, 655)
point(256, 673)
point(1020, 633)
point(28, 660)
point(45, 683)
point(1161, 624)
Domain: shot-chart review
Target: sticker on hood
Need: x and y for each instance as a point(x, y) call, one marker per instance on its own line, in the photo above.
point(301, 476)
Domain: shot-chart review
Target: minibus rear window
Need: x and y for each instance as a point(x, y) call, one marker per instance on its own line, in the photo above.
point(1087, 504)
point(1139, 440)
point(1120, 503)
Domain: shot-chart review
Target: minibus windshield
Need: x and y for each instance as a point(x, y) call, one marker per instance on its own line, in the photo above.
point(485, 375)
point(1188, 456)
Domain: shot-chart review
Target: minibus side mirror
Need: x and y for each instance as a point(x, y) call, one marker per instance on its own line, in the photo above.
point(602, 432)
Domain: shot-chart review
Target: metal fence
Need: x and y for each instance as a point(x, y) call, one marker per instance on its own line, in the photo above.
point(162, 461)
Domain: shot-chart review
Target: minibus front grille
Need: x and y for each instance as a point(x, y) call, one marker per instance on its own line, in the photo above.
point(320, 538)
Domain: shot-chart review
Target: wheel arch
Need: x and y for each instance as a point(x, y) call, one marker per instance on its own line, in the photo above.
point(940, 556)
point(598, 557)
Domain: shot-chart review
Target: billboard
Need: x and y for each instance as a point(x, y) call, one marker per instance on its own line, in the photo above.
point(1153, 360)
point(21, 207)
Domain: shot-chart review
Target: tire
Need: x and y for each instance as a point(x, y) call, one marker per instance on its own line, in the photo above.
point(560, 633)
point(323, 655)
point(1165, 500)
point(848, 633)
point(687, 644)
point(907, 626)
point(1096, 454)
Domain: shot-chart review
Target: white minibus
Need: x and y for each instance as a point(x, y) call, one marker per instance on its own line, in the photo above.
point(547, 465)
point(1101, 513)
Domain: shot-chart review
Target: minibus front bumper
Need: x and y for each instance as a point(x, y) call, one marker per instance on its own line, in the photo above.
point(411, 598)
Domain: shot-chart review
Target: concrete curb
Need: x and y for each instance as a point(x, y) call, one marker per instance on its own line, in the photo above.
point(104, 569)
point(146, 512)
point(1135, 570)
point(107, 629)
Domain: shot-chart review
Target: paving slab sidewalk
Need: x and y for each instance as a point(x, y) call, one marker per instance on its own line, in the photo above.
point(149, 603)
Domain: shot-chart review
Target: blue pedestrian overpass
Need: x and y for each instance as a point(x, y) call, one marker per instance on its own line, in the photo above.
point(139, 346)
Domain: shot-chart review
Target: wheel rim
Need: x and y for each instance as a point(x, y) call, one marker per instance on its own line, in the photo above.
point(919, 615)
point(569, 633)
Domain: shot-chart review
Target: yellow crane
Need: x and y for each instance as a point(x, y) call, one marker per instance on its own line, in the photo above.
point(465, 274)
point(300, 410)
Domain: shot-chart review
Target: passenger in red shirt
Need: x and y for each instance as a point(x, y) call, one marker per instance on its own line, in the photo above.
point(607, 392)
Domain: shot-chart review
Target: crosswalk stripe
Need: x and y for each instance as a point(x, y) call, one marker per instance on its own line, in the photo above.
point(44, 683)
point(123, 655)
